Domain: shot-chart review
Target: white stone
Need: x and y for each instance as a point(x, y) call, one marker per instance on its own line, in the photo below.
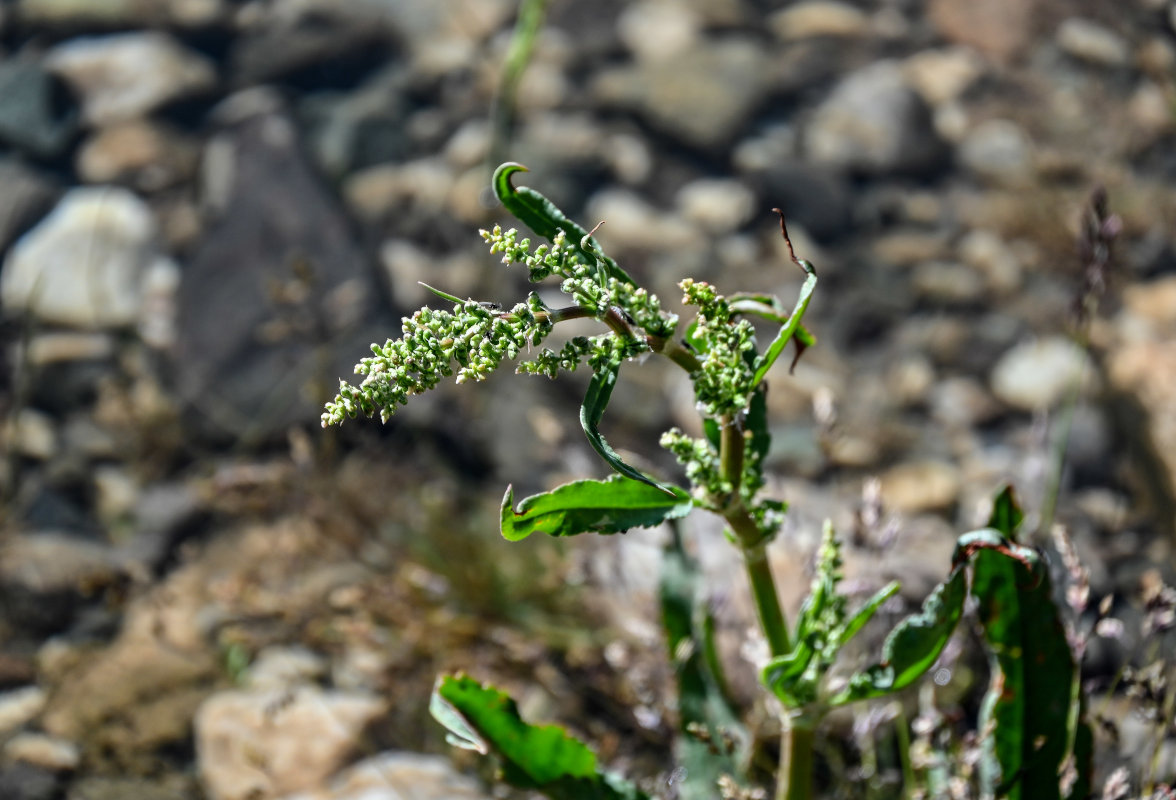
point(83, 264)
point(398, 776)
point(1090, 42)
point(941, 76)
point(19, 706)
point(814, 18)
point(127, 75)
point(279, 667)
point(35, 435)
point(719, 206)
point(47, 752)
point(1037, 375)
point(253, 745)
point(657, 29)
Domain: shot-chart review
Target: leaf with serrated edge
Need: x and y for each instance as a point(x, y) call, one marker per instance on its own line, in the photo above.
point(613, 505)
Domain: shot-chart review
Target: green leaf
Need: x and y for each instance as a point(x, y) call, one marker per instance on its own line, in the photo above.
point(866, 612)
point(702, 701)
point(544, 757)
point(1028, 705)
point(613, 505)
point(1006, 513)
point(912, 647)
point(790, 328)
point(785, 675)
point(600, 389)
point(544, 218)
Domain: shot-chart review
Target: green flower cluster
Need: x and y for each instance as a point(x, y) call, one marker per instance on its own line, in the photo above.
point(598, 351)
point(474, 337)
point(701, 462)
point(558, 258)
point(726, 379)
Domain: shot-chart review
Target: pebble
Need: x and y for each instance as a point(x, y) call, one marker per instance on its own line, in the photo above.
point(701, 97)
point(34, 115)
point(1036, 375)
point(997, 150)
point(717, 205)
point(266, 743)
point(942, 76)
point(20, 706)
point(814, 18)
point(143, 154)
point(986, 251)
point(874, 122)
point(1092, 43)
point(921, 486)
point(283, 666)
point(398, 776)
point(657, 30)
point(631, 223)
point(127, 75)
point(47, 752)
point(65, 346)
point(35, 434)
point(947, 282)
point(1000, 29)
point(962, 402)
point(83, 264)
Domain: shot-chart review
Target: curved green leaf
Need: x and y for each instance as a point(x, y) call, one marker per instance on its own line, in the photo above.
point(613, 505)
point(600, 389)
point(912, 647)
point(545, 218)
point(543, 757)
point(790, 328)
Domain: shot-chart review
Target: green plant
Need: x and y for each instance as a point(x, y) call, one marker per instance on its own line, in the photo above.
point(1032, 724)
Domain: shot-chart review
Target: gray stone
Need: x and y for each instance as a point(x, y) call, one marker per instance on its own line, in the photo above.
point(701, 96)
point(25, 196)
point(815, 197)
point(83, 265)
point(874, 123)
point(127, 75)
point(37, 114)
point(1036, 375)
point(28, 782)
point(998, 150)
point(278, 301)
point(717, 206)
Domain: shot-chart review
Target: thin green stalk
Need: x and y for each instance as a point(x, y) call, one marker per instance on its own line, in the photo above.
point(795, 779)
point(522, 45)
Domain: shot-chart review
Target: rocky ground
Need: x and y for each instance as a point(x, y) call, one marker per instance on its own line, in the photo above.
point(208, 208)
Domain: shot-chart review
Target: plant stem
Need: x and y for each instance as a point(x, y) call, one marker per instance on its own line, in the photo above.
point(795, 778)
point(767, 601)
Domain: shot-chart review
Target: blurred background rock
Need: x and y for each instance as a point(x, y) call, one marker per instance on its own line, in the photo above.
point(208, 209)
